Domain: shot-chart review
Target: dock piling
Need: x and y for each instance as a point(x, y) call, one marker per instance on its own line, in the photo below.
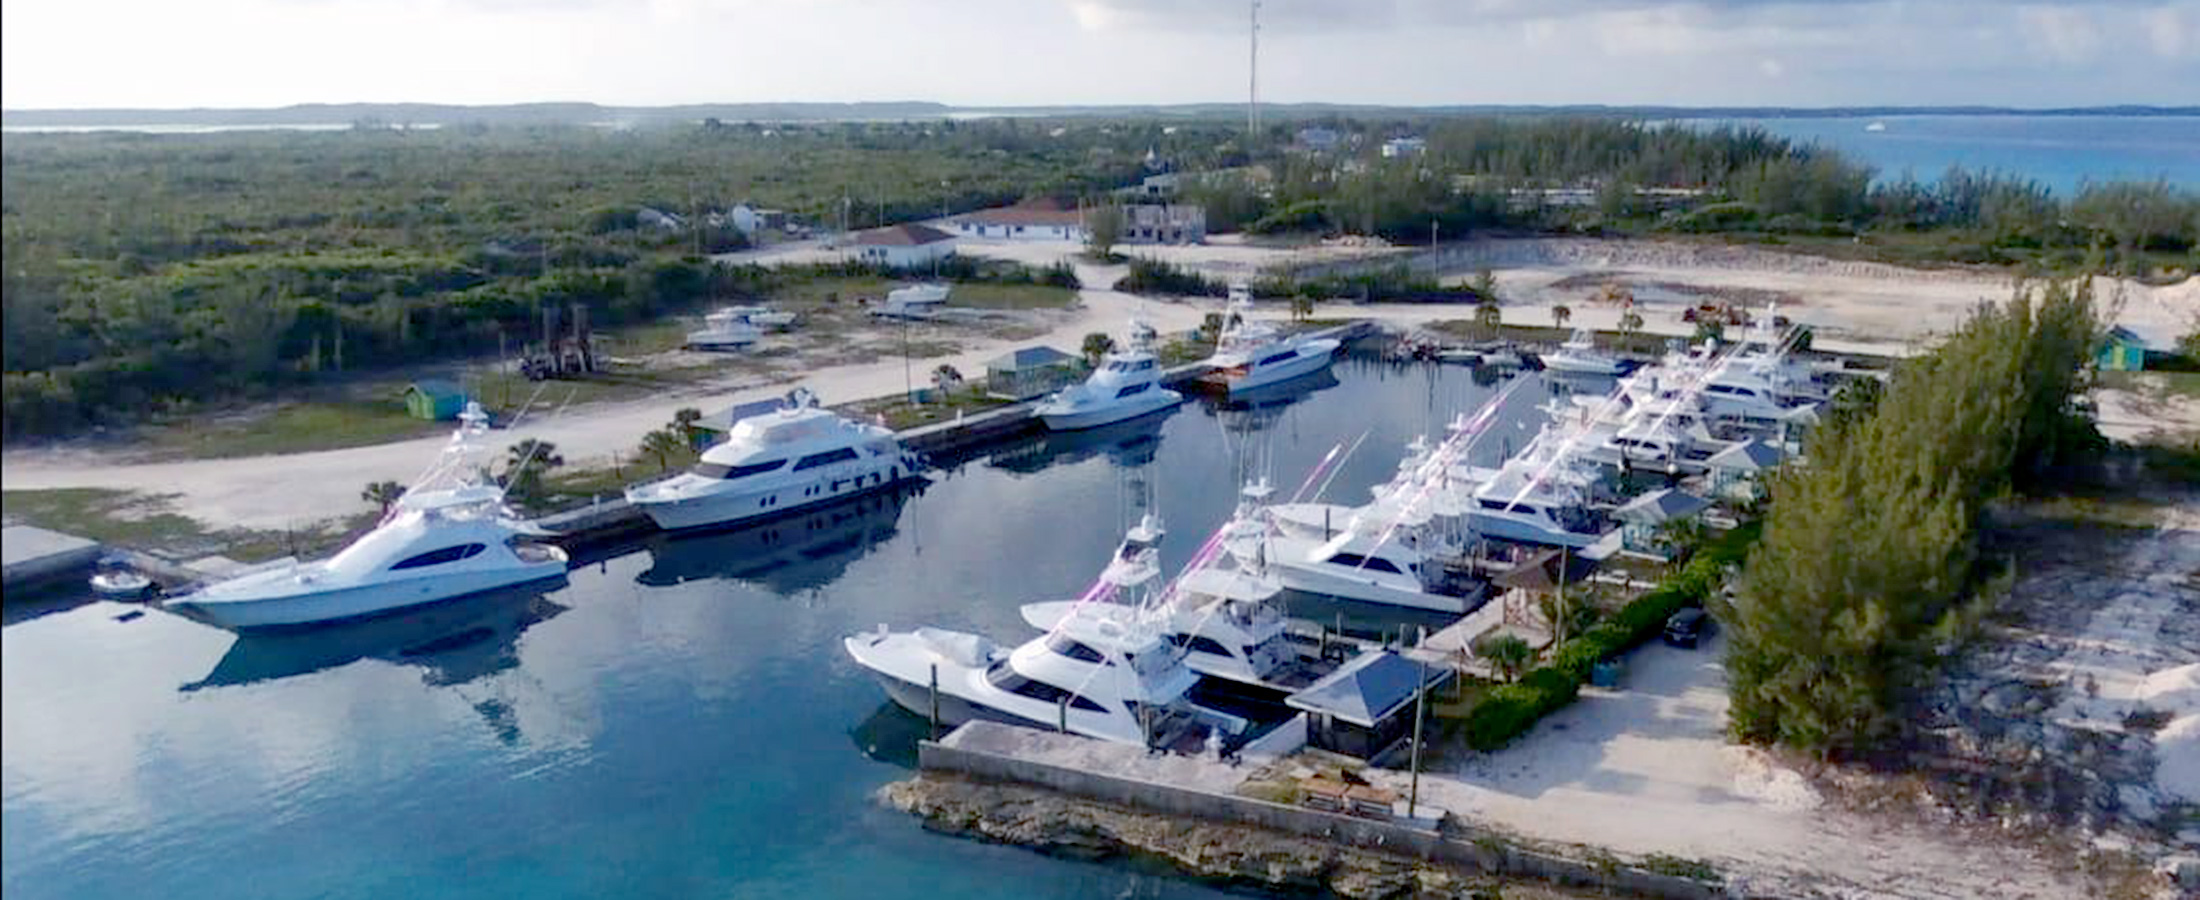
point(935, 701)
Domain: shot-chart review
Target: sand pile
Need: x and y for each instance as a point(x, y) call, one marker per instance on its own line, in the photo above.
point(1759, 778)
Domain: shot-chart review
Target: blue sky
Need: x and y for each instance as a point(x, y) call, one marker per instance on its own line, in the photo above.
point(177, 53)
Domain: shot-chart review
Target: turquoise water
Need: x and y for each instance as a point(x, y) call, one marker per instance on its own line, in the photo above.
point(677, 721)
point(2059, 151)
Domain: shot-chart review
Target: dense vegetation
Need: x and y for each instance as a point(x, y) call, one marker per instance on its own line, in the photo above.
point(1870, 568)
point(148, 272)
point(1615, 176)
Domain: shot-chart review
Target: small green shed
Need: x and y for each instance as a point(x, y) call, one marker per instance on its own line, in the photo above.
point(2122, 351)
point(434, 399)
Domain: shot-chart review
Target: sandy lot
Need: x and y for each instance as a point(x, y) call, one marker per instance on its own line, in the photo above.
point(1858, 307)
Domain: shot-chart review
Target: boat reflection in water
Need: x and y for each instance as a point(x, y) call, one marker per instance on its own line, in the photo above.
point(1256, 409)
point(1128, 444)
point(891, 735)
point(803, 551)
point(453, 642)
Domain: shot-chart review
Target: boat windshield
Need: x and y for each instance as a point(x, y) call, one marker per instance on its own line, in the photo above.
point(728, 473)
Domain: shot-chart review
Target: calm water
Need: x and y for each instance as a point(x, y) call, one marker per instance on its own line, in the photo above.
point(2061, 152)
point(678, 721)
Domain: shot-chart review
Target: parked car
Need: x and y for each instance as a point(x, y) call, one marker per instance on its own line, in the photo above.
point(1686, 627)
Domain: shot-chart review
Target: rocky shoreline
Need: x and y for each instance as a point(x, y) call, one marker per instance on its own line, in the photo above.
point(1232, 856)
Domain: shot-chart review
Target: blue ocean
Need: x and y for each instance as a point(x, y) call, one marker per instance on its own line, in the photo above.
point(2062, 152)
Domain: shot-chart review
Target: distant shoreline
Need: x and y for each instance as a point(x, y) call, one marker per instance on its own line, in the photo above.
point(321, 115)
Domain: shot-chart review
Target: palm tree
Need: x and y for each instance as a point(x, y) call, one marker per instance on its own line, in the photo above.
point(946, 378)
point(1488, 317)
point(664, 445)
point(1097, 345)
point(383, 494)
point(684, 424)
point(1508, 654)
point(524, 464)
point(1630, 322)
point(1560, 314)
point(1302, 307)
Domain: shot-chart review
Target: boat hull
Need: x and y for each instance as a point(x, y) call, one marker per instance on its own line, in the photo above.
point(362, 601)
point(724, 508)
point(1574, 366)
point(1313, 357)
point(1504, 529)
point(1145, 404)
point(1314, 579)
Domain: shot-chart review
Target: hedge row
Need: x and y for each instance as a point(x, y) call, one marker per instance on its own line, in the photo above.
point(1509, 710)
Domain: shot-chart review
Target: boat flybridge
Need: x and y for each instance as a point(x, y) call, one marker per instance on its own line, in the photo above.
point(1521, 503)
point(1251, 353)
point(1125, 386)
point(1097, 671)
point(1387, 552)
point(776, 462)
point(1579, 354)
point(450, 535)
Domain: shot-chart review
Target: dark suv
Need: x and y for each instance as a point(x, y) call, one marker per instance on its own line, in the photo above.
point(1686, 627)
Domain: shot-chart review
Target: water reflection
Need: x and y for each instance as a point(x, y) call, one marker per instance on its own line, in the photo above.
point(787, 555)
point(1256, 409)
point(1128, 444)
point(890, 735)
point(453, 643)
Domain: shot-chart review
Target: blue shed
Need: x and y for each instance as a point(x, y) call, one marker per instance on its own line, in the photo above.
point(2122, 351)
point(434, 399)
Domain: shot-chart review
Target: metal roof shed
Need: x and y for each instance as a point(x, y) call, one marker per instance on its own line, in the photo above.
point(1365, 708)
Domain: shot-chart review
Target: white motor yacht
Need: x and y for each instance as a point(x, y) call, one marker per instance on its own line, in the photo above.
point(1250, 353)
point(1101, 670)
point(725, 329)
point(449, 536)
point(777, 462)
point(1524, 504)
point(1125, 386)
point(1579, 354)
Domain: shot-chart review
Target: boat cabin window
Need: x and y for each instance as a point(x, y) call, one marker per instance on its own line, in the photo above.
point(1522, 507)
point(825, 459)
point(1069, 646)
point(1277, 357)
point(1133, 389)
point(1006, 679)
point(439, 557)
point(1199, 644)
point(721, 470)
point(1372, 563)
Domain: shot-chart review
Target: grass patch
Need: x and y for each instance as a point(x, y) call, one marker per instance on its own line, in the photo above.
point(1679, 867)
point(1011, 296)
point(901, 414)
point(145, 522)
point(290, 428)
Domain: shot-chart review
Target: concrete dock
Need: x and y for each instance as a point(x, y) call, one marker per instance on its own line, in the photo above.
point(37, 557)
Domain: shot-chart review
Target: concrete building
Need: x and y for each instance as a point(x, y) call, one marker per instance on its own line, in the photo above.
point(1318, 139)
point(1164, 223)
point(1032, 220)
point(1404, 147)
point(903, 246)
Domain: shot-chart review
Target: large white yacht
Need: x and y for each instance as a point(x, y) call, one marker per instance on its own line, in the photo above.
point(1579, 354)
point(1125, 386)
point(1098, 673)
point(1523, 504)
point(450, 535)
point(1222, 612)
point(777, 462)
point(1251, 353)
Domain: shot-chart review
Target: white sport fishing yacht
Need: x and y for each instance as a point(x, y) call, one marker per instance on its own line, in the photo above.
point(1250, 353)
point(1523, 504)
point(1097, 673)
point(1222, 611)
point(450, 535)
point(1125, 386)
point(777, 462)
point(1579, 354)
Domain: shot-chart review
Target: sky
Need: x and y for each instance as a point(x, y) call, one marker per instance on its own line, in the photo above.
point(257, 53)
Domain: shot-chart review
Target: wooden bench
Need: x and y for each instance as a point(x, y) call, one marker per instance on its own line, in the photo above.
point(1374, 803)
point(1325, 794)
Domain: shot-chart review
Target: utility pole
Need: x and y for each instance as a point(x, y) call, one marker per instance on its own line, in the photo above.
point(1420, 698)
point(1252, 78)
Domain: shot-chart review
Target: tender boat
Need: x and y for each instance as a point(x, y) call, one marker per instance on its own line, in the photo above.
point(449, 536)
point(725, 329)
point(1579, 355)
point(114, 579)
point(778, 462)
point(1127, 385)
point(1250, 353)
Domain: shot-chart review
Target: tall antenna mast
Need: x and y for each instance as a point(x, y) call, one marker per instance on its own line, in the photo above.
point(1252, 76)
